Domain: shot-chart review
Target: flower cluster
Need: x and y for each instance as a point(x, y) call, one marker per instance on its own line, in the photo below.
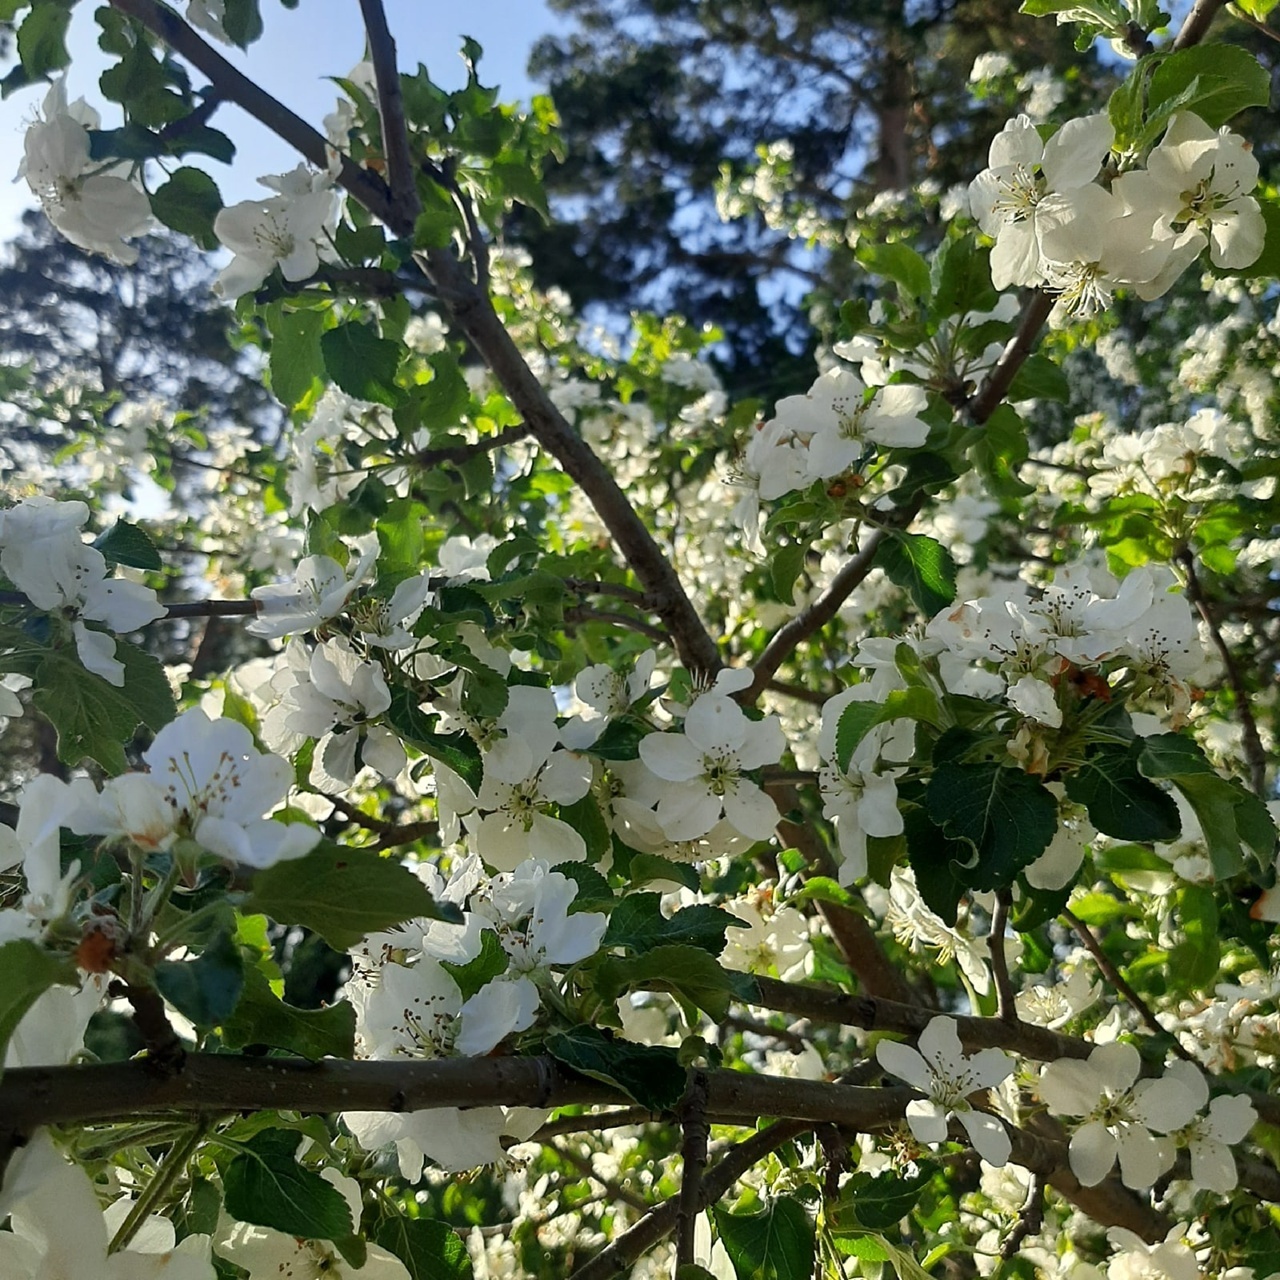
point(44, 555)
point(96, 205)
point(1057, 226)
point(407, 989)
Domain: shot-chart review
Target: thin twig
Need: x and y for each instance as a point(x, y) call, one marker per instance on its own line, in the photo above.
point(813, 617)
point(457, 454)
point(1029, 1220)
point(1236, 12)
point(1006, 1009)
point(1254, 753)
point(395, 130)
point(624, 1250)
point(615, 1189)
point(580, 613)
point(596, 1122)
point(1112, 975)
point(367, 187)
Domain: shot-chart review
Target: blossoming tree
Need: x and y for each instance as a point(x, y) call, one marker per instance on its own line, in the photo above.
point(805, 835)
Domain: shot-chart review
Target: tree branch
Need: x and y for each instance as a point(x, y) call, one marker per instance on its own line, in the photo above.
point(472, 310)
point(1254, 753)
point(812, 618)
point(997, 382)
point(624, 1250)
point(693, 1151)
point(395, 131)
point(1197, 23)
point(1113, 976)
point(457, 454)
point(232, 86)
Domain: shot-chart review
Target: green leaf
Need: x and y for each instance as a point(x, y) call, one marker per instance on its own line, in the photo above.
point(859, 718)
point(880, 1202)
point(207, 989)
point(1216, 81)
point(999, 447)
point(242, 22)
point(822, 889)
point(189, 202)
point(638, 924)
point(593, 893)
point(1008, 817)
point(94, 718)
point(129, 544)
point(265, 1185)
point(417, 728)
point(961, 278)
point(489, 964)
point(429, 1250)
point(649, 1075)
point(899, 263)
point(1231, 818)
point(785, 564)
point(296, 362)
point(27, 971)
point(42, 39)
point(1120, 801)
point(585, 818)
point(777, 1244)
point(685, 971)
point(263, 1018)
point(921, 566)
point(342, 894)
point(939, 863)
point(645, 868)
point(1040, 379)
point(361, 363)
point(1193, 962)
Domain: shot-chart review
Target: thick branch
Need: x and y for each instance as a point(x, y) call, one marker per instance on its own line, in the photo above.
point(874, 1014)
point(395, 132)
point(473, 312)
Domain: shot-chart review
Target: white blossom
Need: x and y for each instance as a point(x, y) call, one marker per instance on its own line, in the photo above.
point(943, 1071)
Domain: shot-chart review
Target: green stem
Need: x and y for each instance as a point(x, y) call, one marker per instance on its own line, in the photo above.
point(176, 1161)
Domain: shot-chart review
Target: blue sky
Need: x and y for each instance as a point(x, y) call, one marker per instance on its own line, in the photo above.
point(299, 49)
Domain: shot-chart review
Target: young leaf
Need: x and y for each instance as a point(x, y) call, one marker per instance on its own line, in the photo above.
point(342, 894)
point(206, 989)
point(638, 924)
point(651, 1076)
point(921, 566)
point(262, 1018)
point(1120, 801)
point(687, 972)
point(265, 1185)
point(777, 1244)
point(362, 363)
point(429, 1250)
point(1008, 817)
